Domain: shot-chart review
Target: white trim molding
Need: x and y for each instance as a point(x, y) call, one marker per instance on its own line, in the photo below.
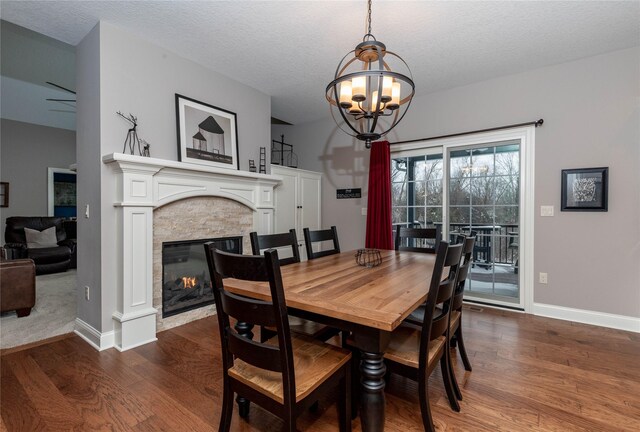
point(144, 184)
point(602, 319)
point(100, 341)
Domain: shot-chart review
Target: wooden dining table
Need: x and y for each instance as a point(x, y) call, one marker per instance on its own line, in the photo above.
point(368, 302)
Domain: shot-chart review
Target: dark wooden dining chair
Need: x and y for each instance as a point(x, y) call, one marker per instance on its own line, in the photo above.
point(311, 237)
point(297, 325)
point(415, 352)
point(418, 239)
point(455, 328)
point(285, 375)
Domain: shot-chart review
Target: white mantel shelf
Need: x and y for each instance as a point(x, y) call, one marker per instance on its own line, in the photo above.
point(146, 183)
point(183, 166)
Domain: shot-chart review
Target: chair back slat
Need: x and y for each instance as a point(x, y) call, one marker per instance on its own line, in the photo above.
point(311, 237)
point(248, 310)
point(445, 291)
point(456, 303)
point(439, 326)
point(407, 238)
point(266, 355)
point(272, 241)
point(254, 268)
point(258, 354)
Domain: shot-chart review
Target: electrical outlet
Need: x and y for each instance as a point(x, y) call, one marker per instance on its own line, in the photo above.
point(363, 211)
point(543, 278)
point(86, 293)
point(546, 211)
point(86, 211)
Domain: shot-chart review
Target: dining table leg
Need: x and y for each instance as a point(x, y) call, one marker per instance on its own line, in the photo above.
point(244, 330)
point(372, 401)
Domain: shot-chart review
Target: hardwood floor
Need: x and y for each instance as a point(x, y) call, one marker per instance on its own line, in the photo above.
point(529, 373)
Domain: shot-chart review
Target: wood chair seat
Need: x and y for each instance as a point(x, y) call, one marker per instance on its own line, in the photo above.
point(314, 363)
point(404, 347)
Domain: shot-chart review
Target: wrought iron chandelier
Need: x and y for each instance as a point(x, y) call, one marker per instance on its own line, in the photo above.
point(365, 89)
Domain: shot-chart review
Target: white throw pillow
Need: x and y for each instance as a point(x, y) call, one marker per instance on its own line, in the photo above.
point(41, 239)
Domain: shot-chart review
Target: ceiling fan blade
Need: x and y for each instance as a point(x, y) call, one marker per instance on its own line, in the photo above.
point(277, 121)
point(60, 87)
point(62, 100)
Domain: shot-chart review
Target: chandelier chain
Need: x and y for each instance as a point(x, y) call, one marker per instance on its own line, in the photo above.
point(369, 16)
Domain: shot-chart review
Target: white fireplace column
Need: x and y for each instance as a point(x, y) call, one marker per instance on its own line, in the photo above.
point(145, 183)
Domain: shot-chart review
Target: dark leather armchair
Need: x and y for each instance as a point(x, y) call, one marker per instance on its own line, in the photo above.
point(47, 260)
point(17, 286)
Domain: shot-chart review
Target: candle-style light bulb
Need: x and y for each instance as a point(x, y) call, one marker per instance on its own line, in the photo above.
point(345, 94)
point(387, 84)
point(395, 96)
point(374, 103)
point(359, 87)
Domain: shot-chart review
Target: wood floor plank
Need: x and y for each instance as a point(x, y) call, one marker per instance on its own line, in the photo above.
point(54, 409)
point(168, 410)
point(529, 374)
point(16, 408)
point(103, 402)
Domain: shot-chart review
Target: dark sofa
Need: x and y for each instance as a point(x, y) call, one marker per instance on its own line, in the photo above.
point(47, 260)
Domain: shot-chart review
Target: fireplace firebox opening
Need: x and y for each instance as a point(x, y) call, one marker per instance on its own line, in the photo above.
point(186, 283)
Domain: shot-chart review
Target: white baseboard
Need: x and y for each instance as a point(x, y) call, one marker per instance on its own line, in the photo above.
point(602, 319)
point(100, 341)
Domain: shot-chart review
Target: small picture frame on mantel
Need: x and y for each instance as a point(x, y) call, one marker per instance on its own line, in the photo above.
point(585, 189)
point(4, 194)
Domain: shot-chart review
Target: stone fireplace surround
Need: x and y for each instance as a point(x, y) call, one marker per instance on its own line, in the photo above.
point(146, 184)
point(194, 219)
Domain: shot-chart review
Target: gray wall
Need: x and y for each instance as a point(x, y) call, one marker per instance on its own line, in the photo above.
point(26, 151)
point(89, 181)
point(138, 77)
point(592, 118)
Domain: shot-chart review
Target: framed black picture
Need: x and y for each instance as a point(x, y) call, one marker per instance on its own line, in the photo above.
point(584, 189)
point(207, 135)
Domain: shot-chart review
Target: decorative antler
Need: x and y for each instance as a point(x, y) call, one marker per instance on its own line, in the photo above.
point(130, 118)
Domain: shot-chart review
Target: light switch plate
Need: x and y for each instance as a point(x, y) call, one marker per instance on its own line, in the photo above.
point(546, 211)
point(363, 210)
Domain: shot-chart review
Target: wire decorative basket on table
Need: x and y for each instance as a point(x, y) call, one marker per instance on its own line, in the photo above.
point(368, 257)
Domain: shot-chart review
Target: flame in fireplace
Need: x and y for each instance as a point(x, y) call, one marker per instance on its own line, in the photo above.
point(189, 282)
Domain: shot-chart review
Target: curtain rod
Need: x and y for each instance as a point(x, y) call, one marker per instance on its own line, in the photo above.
point(536, 123)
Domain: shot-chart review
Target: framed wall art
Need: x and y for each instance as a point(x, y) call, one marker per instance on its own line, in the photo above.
point(61, 192)
point(584, 189)
point(207, 135)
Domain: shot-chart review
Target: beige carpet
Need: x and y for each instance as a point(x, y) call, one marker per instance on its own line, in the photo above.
point(54, 313)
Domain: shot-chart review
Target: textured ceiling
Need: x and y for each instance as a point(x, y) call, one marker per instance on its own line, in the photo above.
point(289, 50)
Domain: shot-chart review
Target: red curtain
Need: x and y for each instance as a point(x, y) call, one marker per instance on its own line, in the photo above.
point(379, 234)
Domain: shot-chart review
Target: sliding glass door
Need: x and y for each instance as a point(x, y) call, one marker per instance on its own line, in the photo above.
point(484, 197)
point(481, 184)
